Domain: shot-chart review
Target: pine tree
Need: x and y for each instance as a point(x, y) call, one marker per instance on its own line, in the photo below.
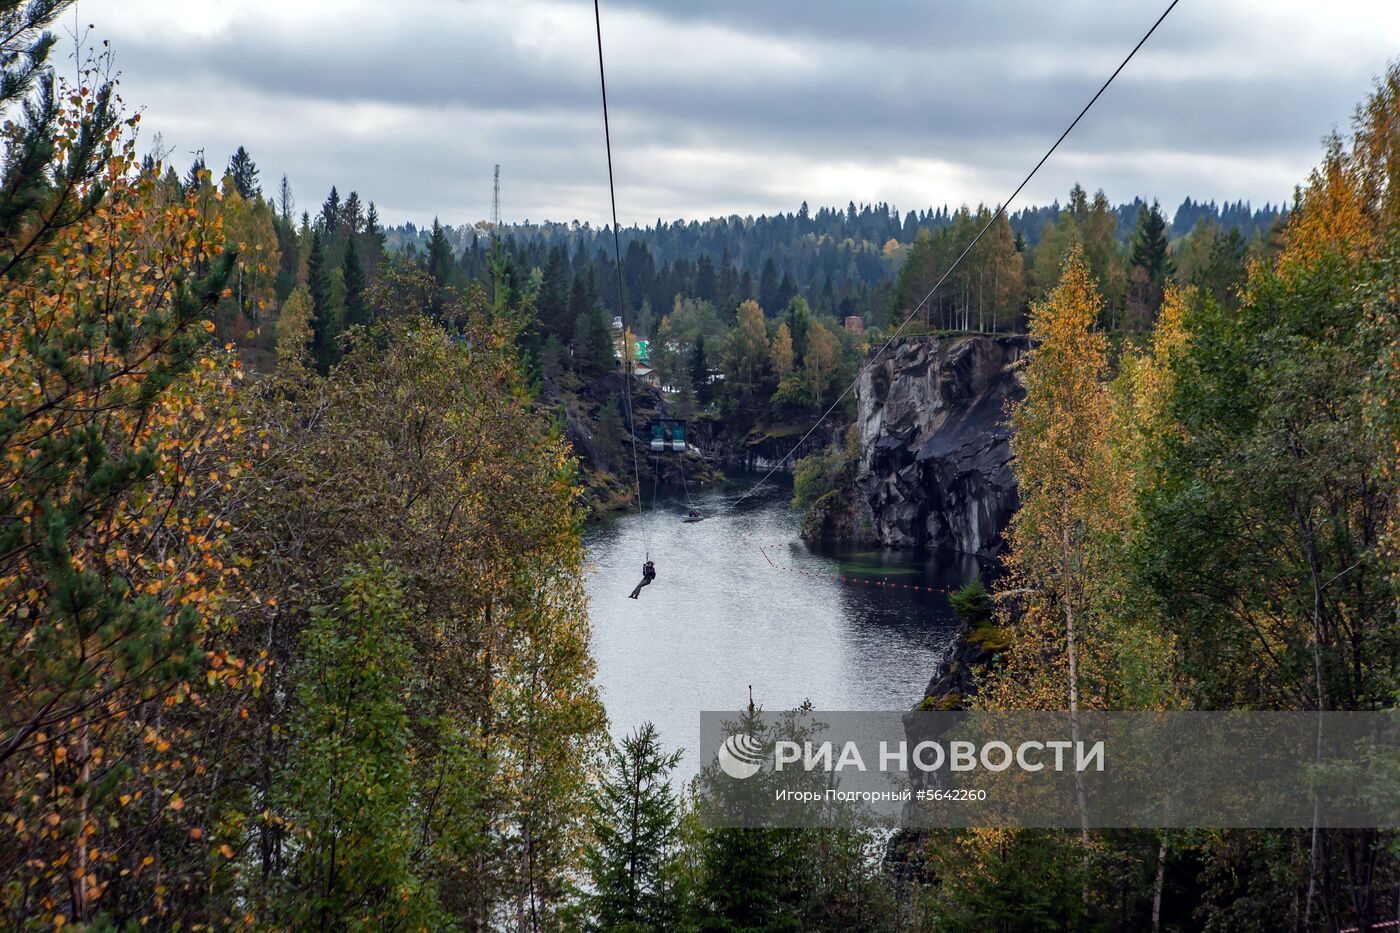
point(635, 823)
point(325, 326)
point(109, 568)
point(33, 166)
point(245, 174)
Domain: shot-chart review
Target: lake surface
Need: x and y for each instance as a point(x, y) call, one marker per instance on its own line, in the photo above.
point(720, 618)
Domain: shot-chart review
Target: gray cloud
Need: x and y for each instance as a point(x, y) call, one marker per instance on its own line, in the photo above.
point(725, 106)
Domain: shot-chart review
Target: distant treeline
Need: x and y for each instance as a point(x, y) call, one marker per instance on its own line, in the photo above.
point(842, 262)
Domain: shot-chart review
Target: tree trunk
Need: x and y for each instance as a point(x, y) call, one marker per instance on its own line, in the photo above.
point(1071, 653)
point(1158, 884)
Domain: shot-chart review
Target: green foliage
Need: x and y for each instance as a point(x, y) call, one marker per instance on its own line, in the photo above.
point(818, 474)
point(747, 370)
point(611, 433)
point(593, 344)
point(46, 187)
point(356, 308)
point(325, 317)
point(635, 824)
point(244, 173)
point(984, 292)
point(972, 604)
point(1024, 881)
point(784, 879)
point(1149, 247)
point(346, 793)
point(1269, 487)
point(1150, 264)
point(439, 265)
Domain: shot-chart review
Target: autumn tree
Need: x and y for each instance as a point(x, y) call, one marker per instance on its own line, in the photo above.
point(1060, 449)
point(820, 362)
point(294, 328)
point(60, 138)
point(781, 352)
point(747, 357)
point(112, 566)
point(427, 442)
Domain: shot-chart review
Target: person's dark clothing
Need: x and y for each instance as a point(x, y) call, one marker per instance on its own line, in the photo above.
point(648, 574)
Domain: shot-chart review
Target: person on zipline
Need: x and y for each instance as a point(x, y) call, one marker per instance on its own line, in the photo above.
point(648, 574)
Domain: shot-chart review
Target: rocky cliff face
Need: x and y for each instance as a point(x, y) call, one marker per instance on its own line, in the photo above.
point(934, 455)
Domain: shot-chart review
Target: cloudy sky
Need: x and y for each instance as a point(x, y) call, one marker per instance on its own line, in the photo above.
point(745, 106)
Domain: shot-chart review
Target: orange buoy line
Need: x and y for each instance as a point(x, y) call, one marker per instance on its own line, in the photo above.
point(861, 581)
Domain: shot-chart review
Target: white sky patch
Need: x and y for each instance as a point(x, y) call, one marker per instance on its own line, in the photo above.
point(412, 102)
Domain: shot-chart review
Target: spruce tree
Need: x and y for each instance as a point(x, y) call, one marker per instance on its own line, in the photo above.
point(553, 299)
point(593, 346)
point(285, 202)
point(1149, 249)
point(768, 287)
point(324, 324)
point(330, 213)
point(356, 310)
point(197, 168)
point(439, 266)
point(1151, 265)
point(352, 215)
point(700, 372)
point(245, 174)
point(372, 227)
point(635, 821)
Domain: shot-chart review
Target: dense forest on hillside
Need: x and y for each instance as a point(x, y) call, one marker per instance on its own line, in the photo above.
point(292, 575)
point(1208, 521)
point(842, 262)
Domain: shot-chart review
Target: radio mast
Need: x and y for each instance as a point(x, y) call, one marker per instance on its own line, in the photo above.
point(495, 202)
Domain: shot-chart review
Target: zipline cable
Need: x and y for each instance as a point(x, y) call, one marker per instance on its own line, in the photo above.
point(685, 483)
point(987, 226)
point(617, 259)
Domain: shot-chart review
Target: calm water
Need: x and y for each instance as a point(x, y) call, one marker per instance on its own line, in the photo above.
point(719, 619)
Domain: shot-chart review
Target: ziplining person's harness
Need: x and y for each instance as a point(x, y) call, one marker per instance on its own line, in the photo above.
point(648, 574)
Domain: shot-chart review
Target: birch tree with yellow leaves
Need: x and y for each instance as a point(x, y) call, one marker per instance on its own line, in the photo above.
point(112, 569)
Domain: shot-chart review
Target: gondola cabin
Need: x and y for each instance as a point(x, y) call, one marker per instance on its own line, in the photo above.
point(668, 434)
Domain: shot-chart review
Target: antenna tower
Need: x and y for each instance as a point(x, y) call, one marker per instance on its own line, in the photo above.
point(496, 201)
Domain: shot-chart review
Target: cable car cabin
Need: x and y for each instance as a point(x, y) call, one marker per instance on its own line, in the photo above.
point(668, 434)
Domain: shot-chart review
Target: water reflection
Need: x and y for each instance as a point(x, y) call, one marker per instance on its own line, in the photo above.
point(719, 618)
